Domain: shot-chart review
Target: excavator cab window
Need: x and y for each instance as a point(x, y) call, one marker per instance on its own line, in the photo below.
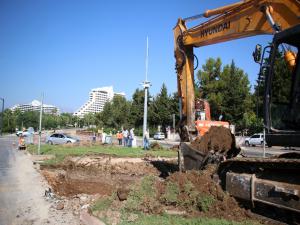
point(257, 53)
point(285, 90)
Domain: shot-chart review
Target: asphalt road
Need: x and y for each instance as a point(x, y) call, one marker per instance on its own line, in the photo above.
point(22, 190)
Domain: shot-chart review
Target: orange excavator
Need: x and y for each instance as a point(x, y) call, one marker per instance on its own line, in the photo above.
point(269, 181)
point(203, 119)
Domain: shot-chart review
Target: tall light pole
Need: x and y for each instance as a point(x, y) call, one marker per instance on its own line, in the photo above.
point(146, 85)
point(40, 125)
point(2, 115)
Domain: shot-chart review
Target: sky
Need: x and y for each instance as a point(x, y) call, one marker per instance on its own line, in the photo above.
point(64, 48)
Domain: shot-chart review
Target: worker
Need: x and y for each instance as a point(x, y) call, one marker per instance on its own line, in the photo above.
point(21, 142)
point(119, 137)
point(146, 140)
point(125, 137)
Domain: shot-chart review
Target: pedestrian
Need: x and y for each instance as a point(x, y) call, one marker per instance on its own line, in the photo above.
point(119, 137)
point(125, 137)
point(131, 137)
point(146, 140)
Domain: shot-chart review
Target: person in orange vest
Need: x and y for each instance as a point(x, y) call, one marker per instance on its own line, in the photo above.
point(120, 137)
point(21, 142)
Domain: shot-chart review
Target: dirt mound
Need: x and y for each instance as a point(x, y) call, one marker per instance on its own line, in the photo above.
point(193, 194)
point(199, 194)
point(217, 139)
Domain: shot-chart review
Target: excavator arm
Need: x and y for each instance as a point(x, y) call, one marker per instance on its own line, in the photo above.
point(239, 20)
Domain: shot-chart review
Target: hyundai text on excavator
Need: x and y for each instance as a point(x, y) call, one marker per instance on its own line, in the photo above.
point(270, 181)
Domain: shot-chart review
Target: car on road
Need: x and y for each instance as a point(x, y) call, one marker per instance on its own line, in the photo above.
point(57, 139)
point(255, 139)
point(159, 136)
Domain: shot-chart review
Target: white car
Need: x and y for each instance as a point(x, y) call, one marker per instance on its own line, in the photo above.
point(256, 139)
point(159, 136)
point(60, 139)
point(25, 133)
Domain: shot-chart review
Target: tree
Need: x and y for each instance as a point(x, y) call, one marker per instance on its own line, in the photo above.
point(227, 90)
point(9, 121)
point(162, 108)
point(209, 85)
point(236, 90)
point(115, 114)
point(137, 108)
point(89, 119)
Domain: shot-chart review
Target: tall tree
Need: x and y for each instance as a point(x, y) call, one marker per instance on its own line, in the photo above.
point(236, 91)
point(209, 85)
point(227, 90)
point(137, 108)
point(115, 114)
point(162, 108)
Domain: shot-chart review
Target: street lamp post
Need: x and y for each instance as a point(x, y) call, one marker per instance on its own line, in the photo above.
point(146, 84)
point(2, 115)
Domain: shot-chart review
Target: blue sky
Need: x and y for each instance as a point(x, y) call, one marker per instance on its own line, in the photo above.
point(64, 48)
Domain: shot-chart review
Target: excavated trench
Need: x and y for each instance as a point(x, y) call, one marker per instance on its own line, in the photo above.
point(102, 174)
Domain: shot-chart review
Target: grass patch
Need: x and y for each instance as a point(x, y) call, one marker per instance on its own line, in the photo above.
point(171, 193)
point(103, 204)
point(204, 202)
point(144, 219)
point(143, 197)
point(61, 151)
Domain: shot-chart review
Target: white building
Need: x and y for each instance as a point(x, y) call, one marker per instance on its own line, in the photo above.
point(35, 105)
point(97, 99)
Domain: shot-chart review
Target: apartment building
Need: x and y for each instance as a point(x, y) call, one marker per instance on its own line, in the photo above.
point(97, 99)
point(35, 105)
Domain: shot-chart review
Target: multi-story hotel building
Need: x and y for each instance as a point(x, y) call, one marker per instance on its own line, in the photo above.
point(97, 99)
point(35, 105)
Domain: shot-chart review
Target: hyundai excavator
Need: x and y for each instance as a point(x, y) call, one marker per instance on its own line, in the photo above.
point(269, 181)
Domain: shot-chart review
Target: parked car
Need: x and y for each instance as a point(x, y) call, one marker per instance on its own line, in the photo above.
point(159, 136)
point(60, 139)
point(256, 139)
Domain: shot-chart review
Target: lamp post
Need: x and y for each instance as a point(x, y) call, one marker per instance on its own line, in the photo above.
point(2, 115)
point(146, 85)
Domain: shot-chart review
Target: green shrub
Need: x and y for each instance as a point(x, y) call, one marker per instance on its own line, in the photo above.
point(171, 193)
point(143, 197)
point(205, 202)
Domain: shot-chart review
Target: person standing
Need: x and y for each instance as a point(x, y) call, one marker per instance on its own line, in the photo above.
point(146, 140)
point(125, 137)
point(131, 137)
point(119, 137)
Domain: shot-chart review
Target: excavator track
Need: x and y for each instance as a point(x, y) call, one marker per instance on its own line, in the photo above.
point(271, 181)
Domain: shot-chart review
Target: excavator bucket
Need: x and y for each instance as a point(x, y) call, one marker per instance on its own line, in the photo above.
point(217, 145)
point(190, 158)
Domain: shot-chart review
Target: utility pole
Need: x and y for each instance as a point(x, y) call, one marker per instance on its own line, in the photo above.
point(2, 116)
point(40, 125)
point(173, 117)
point(146, 84)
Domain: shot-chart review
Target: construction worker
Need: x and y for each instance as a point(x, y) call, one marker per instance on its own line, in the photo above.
point(120, 137)
point(21, 142)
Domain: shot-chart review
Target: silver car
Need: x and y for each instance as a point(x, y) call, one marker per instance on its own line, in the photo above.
point(256, 139)
point(60, 139)
point(159, 136)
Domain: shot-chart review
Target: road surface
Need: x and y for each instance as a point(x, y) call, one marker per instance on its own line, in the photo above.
point(22, 190)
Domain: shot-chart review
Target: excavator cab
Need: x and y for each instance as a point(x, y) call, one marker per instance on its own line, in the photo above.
point(281, 76)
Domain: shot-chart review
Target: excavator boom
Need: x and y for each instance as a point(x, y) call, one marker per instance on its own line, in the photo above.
point(239, 20)
point(273, 182)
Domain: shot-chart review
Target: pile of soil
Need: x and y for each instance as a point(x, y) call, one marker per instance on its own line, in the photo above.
point(217, 139)
point(223, 206)
point(150, 198)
